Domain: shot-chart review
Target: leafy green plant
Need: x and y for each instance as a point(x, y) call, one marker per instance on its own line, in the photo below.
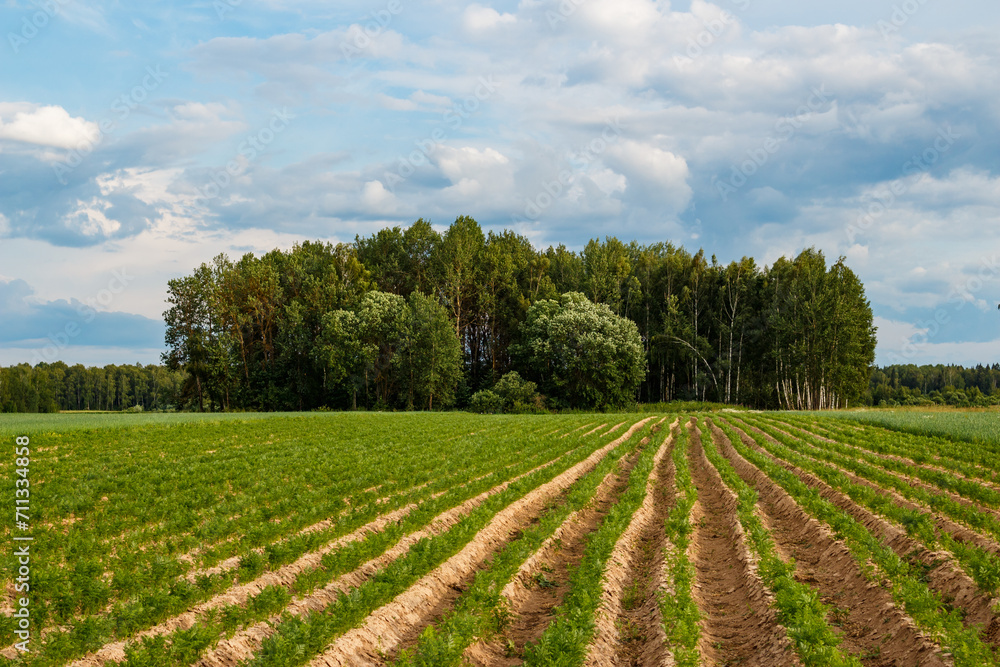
point(931, 614)
point(982, 566)
point(565, 639)
point(216, 478)
point(799, 606)
point(482, 612)
point(678, 609)
point(297, 639)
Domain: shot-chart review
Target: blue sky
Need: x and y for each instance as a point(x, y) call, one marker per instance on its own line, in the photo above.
point(136, 143)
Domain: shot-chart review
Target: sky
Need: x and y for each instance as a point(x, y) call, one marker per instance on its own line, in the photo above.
point(137, 142)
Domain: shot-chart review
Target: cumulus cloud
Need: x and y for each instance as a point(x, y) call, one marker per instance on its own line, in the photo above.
point(45, 126)
point(377, 198)
point(820, 124)
point(656, 175)
point(901, 342)
point(477, 18)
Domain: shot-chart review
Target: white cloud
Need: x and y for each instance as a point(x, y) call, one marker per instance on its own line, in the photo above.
point(658, 175)
point(377, 198)
point(857, 255)
point(477, 18)
point(45, 126)
point(90, 219)
point(151, 186)
point(429, 100)
point(396, 104)
point(683, 122)
point(893, 333)
point(608, 180)
point(455, 163)
point(621, 20)
point(485, 173)
point(197, 111)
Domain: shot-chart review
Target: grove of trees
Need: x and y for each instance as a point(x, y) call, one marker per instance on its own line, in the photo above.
point(414, 318)
point(419, 319)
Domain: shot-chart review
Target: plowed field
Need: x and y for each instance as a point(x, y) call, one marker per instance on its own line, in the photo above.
point(732, 538)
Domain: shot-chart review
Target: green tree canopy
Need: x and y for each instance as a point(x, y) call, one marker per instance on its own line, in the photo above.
point(362, 324)
point(581, 354)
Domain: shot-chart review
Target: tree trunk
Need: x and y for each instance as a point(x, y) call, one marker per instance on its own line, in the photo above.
point(739, 367)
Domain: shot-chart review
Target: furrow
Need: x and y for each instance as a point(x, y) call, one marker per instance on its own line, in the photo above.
point(284, 577)
point(629, 626)
point(740, 624)
point(287, 575)
point(943, 573)
point(388, 627)
point(872, 626)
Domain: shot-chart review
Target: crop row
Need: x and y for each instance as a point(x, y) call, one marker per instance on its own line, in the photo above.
point(968, 514)
point(762, 539)
point(472, 539)
point(799, 607)
point(905, 456)
point(482, 611)
point(879, 561)
point(85, 592)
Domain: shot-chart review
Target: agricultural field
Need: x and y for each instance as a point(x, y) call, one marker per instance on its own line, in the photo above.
point(976, 425)
point(325, 539)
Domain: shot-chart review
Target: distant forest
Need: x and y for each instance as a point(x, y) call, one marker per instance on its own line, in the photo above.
point(935, 385)
point(55, 387)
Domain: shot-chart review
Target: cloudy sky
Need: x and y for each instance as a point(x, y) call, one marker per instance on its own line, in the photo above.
point(138, 142)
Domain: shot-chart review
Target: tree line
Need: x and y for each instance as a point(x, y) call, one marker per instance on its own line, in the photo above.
point(54, 387)
point(414, 318)
point(938, 384)
point(410, 318)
